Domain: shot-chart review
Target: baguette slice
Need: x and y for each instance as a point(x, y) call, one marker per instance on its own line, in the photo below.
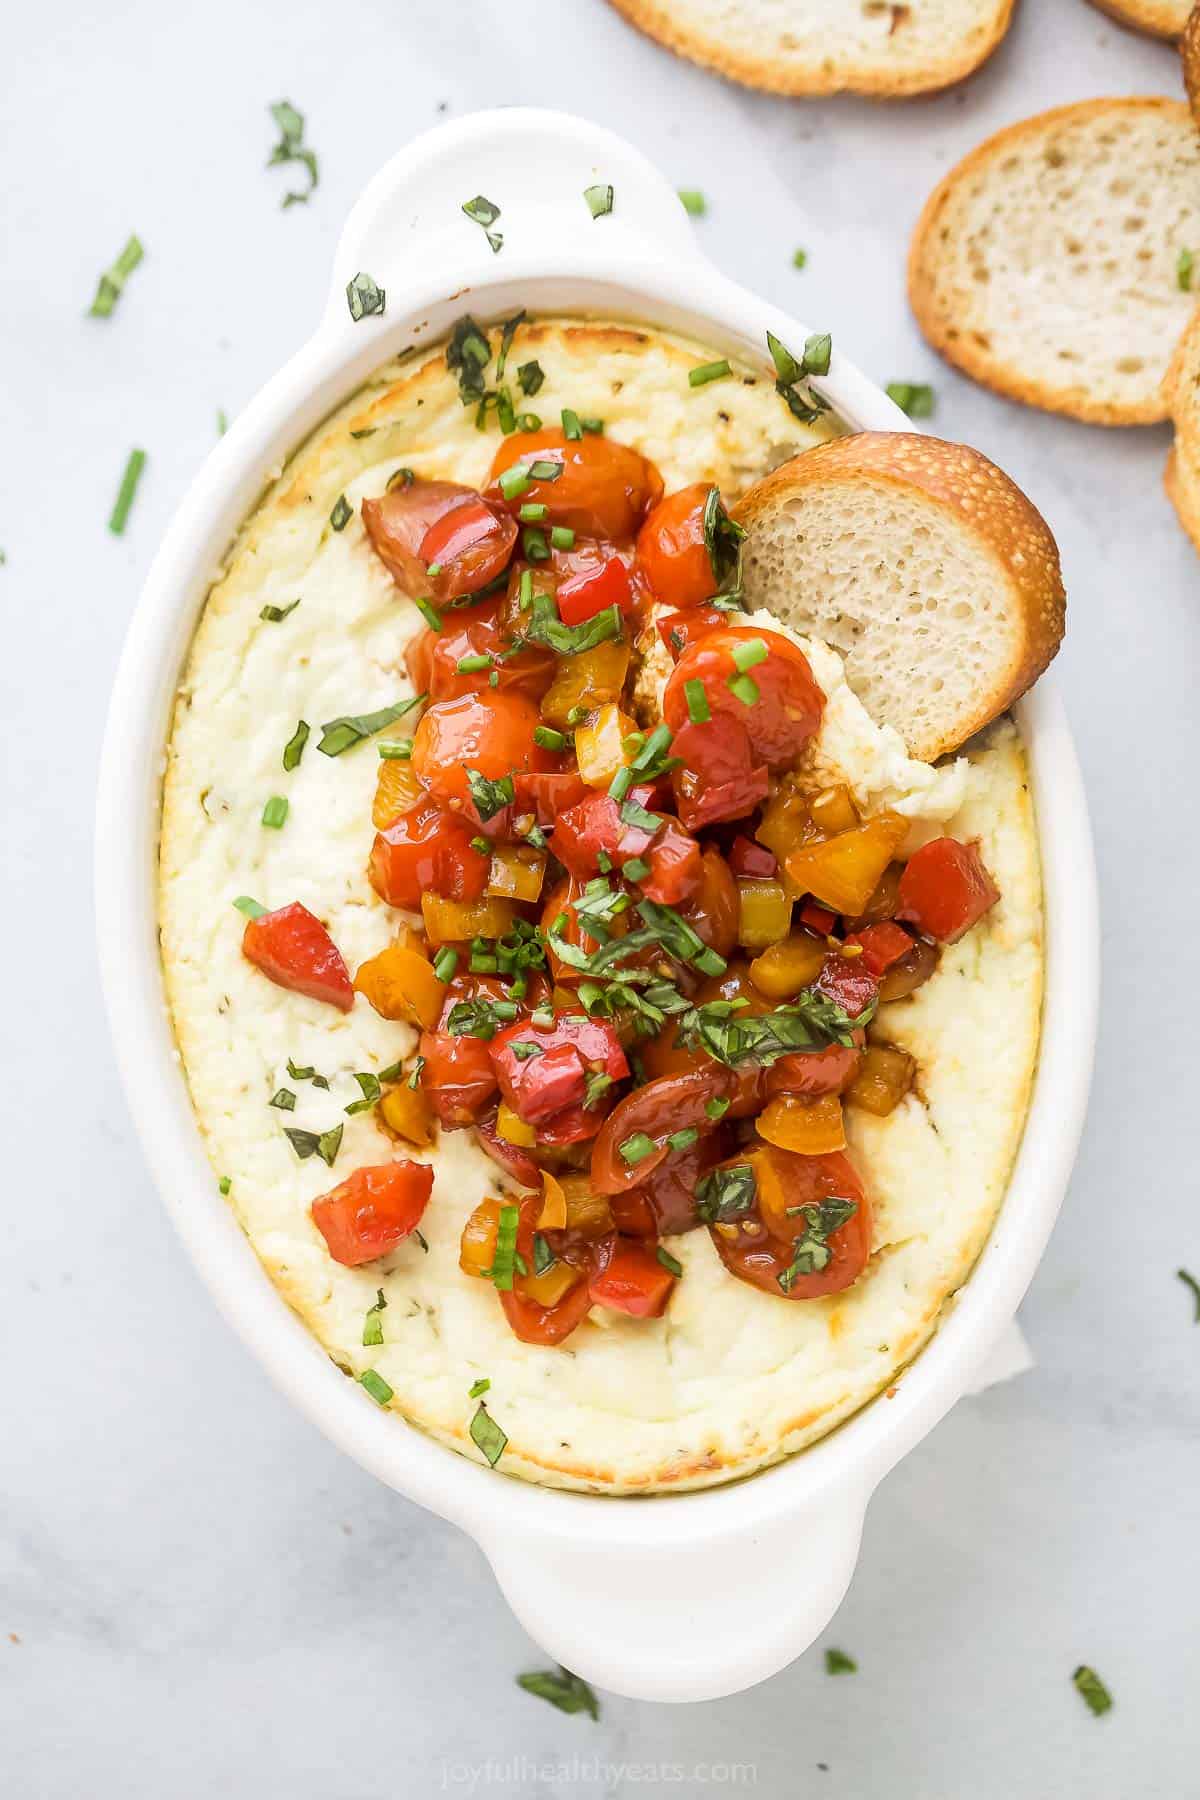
point(923, 564)
point(1046, 265)
point(1161, 18)
point(888, 48)
point(1190, 51)
point(1182, 482)
point(1182, 392)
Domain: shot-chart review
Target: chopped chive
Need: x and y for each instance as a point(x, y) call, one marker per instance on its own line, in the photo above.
point(534, 545)
point(1092, 1690)
point(716, 1109)
point(594, 426)
point(838, 1663)
point(743, 688)
point(249, 907)
point(525, 591)
point(599, 198)
point(364, 296)
point(472, 665)
point(636, 869)
point(543, 469)
point(683, 1140)
point(108, 292)
point(487, 1436)
point(478, 1387)
point(668, 1261)
point(275, 615)
point(372, 1331)
point(445, 963)
point(481, 210)
point(293, 750)
point(531, 375)
point(548, 738)
point(528, 422)
point(275, 812)
point(126, 491)
point(799, 259)
point(562, 537)
point(532, 511)
point(395, 750)
point(428, 612)
point(699, 711)
point(693, 202)
point(749, 655)
point(283, 1100)
point(912, 397)
point(621, 783)
point(481, 846)
point(376, 1386)
point(1184, 265)
point(224, 1185)
point(342, 513)
point(514, 481)
point(637, 1148)
point(703, 373)
point(434, 568)
point(709, 963)
point(570, 423)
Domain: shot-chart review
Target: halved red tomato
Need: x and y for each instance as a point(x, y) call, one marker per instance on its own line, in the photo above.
point(593, 590)
point(717, 777)
point(426, 850)
point(433, 657)
point(760, 679)
point(680, 630)
point(604, 488)
point(797, 1257)
point(440, 522)
point(490, 734)
point(633, 1141)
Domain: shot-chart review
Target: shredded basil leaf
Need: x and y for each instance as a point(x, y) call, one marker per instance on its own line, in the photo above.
point(726, 1193)
point(543, 1256)
point(371, 1090)
point(275, 615)
point(810, 1250)
point(489, 797)
point(912, 397)
point(1191, 1282)
point(478, 1387)
point(467, 356)
point(531, 375)
point(342, 513)
point(838, 1663)
point(570, 1693)
point(480, 1018)
point(342, 734)
point(723, 539)
point(810, 1021)
point(487, 1436)
point(292, 149)
point(668, 1261)
point(325, 1144)
point(284, 1099)
point(364, 296)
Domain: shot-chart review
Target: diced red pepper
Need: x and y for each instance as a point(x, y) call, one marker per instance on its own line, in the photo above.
point(457, 1077)
point(427, 850)
point(716, 778)
point(295, 951)
point(818, 918)
point(631, 1280)
point(539, 1087)
point(680, 630)
point(882, 945)
point(546, 796)
point(581, 596)
point(675, 867)
point(754, 861)
point(373, 1210)
point(945, 889)
point(846, 980)
point(573, 1125)
point(594, 826)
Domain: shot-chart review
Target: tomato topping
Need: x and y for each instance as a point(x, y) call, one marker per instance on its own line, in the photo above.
point(594, 828)
point(458, 1076)
point(945, 889)
point(799, 1257)
point(580, 597)
point(294, 950)
point(518, 1163)
point(530, 1318)
point(643, 1121)
point(432, 657)
point(467, 548)
point(811, 1073)
point(538, 1086)
point(754, 861)
point(716, 778)
point(713, 911)
point(672, 551)
point(676, 875)
point(680, 630)
point(847, 981)
point(490, 734)
point(775, 697)
point(630, 1279)
point(370, 1212)
point(397, 524)
point(426, 850)
point(882, 945)
point(604, 489)
point(573, 1125)
point(546, 795)
point(818, 918)
point(665, 1204)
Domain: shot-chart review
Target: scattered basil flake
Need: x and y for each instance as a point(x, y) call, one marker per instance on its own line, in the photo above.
point(291, 149)
point(467, 356)
point(364, 296)
point(507, 333)
point(293, 750)
point(126, 492)
point(487, 1436)
point(725, 1194)
point(414, 1080)
point(478, 1387)
point(372, 1331)
point(275, 812)
point(723, 539)
point(401, 477)
point(1184, 265)
point(570, 1693)
point(325, 1144)
point(481, 210)
point(912, 397)
point(393, 1072)
point(808, 1022)
point(703, 373)
point(599, 198)
point(249, 907)
point(481, 1018)
point(224, 1185)
point(342, 734)
point(1191, 1282)
point(489, 797)
point(342, 513)
point(790, 370)
point(668, 1261)
point(693, 202)
point(838, 1663)
point(370, 1088)
point(275, 615)
point(111, 283)
point(1092, 1690)
point(421, 1239)
point(810, 1250)
point(284, 1099)
point(531, 376)
point(376, 1386)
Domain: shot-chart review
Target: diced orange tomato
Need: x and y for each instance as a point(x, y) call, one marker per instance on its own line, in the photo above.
point(517, 872)
point(589, 679)
point(401, 984)
point(833, 810)
point(396, 790)
point(784, 968)
point(884, 1077)
point(456, 921)
point(809, 1127)
point(512, 1127)
point(477, 1246)
point(294, 950)
point(406, 1111)
point(599, 745)
point(843, 871)
point(373, 1210)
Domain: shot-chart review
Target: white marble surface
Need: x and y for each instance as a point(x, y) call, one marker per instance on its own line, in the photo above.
point(199, 1595)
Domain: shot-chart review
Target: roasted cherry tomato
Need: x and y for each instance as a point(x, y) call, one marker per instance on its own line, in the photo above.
point(433, 657)
point(515, 1161)
point(712, 912)
point(644, 1121)
point(672, 551)
point(489, 734)
point(593, 590)
point(466, 549)
point(814, 1261)
point(630, 1279)
point(562, 899)
point(427, 850)
point(774, 697)
point(458, 1077)
point(717, 777)
point(665, 1203)
point(848, 981)
point(594, 828)
point(882, 945)
point(369, 1213)
point(295, 951)
point(546, 795)
point(529, 1318)
point(402, 521)
point(811, 1073)
point(604, 488)
point(945, 889)
point(680, 630)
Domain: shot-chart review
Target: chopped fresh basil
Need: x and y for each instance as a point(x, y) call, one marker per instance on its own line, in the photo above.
point(818, 351)
point(126, 492)
point(543, 626)
point(484, 212)
point(275, 615)
point(467, 356)
point(703, 373)
point(478, 1387)
point(421, 1239)
point(803, 405)
point(487, 1436)
point(325, 1144)
point(726, 1193)
point(508, 331)
point(723, 539)
point(693, 202)
point(1190, 1281)
point(342, 513)
point(364, 296)
point(371, 1089)
point(342, 734)
point(668, 1261)
point(293, 750)
point(1184, 265)
point(308, 1073)
point(292, 149)
point(376, 1386)
point(284, 1099)
point(524, 1051)
point(401, 477)
point(699, 711)
point(838, 1663)
point(810, 1250)
point(599, 198)
point(678, 939)
point(912, 397)
point(543, 1255)
point(809, 1022)
point(489, 797)
point(639, 817)
point(414, 1080)
point(275, 812)
point(249, 907)
point(1092, 1690)
point(481, 1018)
point(531, 376)
point(111, 283)
point(637, 1148)
point(372, 1331)
point(570, 1693)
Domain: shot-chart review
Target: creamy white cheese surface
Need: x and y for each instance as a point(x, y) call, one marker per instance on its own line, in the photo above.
point(729, 1378)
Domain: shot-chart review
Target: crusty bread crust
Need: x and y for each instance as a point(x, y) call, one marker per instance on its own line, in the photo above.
point(1079, 401)
point(741, 61)
point(1183, 491)
point(1189, 50)
point(961, 483)
point(1161, 18)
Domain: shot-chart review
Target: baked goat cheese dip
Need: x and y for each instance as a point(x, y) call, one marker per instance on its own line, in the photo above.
point(618, 1057)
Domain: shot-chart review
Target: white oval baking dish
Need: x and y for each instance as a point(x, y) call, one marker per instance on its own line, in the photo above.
point(635, 1594)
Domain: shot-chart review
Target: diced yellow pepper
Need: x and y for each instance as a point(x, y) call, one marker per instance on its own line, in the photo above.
point(548, 1288)
point(786, 822)
point(587, 1211)
point(599, 749)
point(400, 984)
point(884, 1077)
point(456, 921)
point(406, 1112)
point(783, 969)
point(833, 810)
point(591, 679)
point(517, 872)
point(553, 1216)
point(396, 789)
point(477, 1246)
point(764, 912)
point(512, 1128)
point(843, 872)
point(807, 1127)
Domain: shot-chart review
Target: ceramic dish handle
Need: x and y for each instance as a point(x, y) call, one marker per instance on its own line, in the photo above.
point(409, 226)
point(683, 1622)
